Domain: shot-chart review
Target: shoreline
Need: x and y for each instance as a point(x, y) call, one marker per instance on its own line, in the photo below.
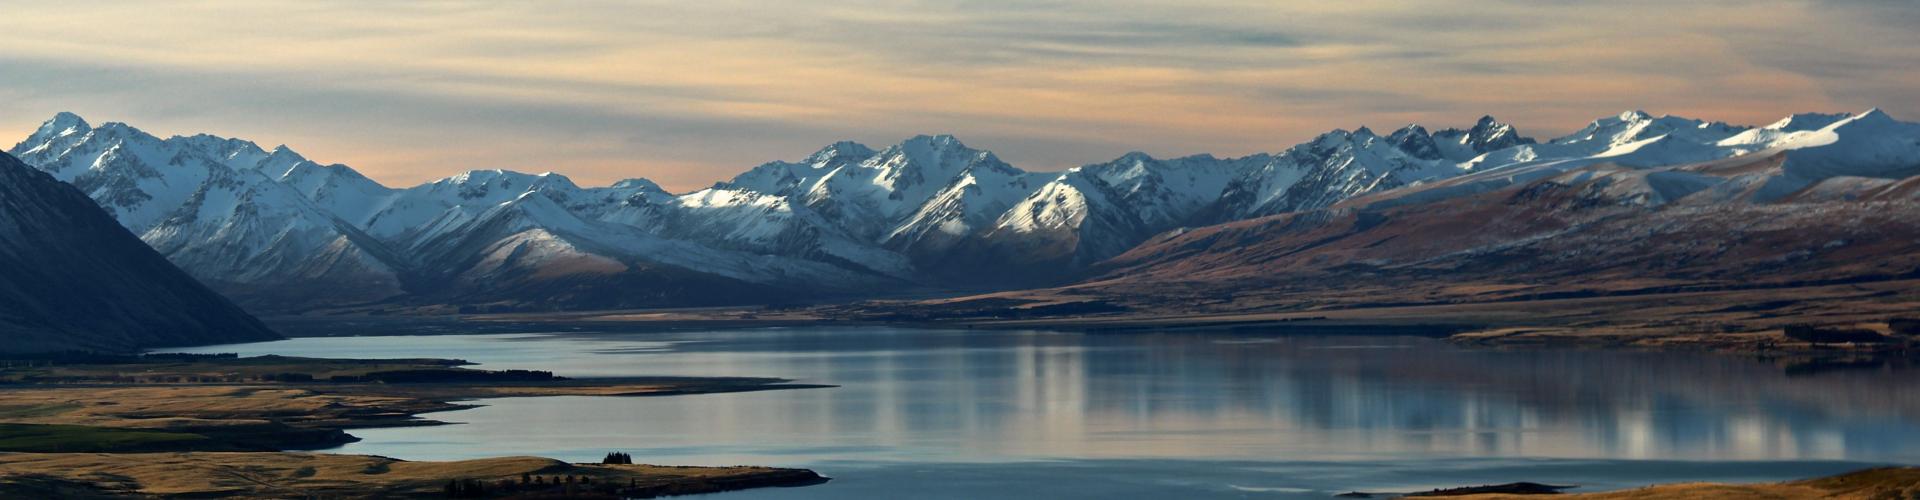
point(326, 475)
point(1744, 320)
point(1873, 483)
point(330, 405)
point(188, 425)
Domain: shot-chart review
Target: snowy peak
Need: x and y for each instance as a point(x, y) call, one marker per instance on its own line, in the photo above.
point(63, 124)
point(336, 186)
point(637, 184)
point(1870, 144)
point(277, 162)
point(1815, 147)
point(848, 213)
point(791, 178)
point(1631, 138)
point(1454, 144)
point(938, 151)
point(1875, 116)
point(1800, 122)
point(1363, 149)
point(60, 145)
point(1328, 141)
point(938, 159)
point(929, 189)
point(843, 151)
point(500, 185)
point(233, 152)
point(1330, 168)
point(1489, 134)
point(1105, 208)
point(1634, 126)
point(1414, 140)
point(205, 202)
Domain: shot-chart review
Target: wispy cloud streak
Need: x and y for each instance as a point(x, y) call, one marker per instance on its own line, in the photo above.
point(688, 92)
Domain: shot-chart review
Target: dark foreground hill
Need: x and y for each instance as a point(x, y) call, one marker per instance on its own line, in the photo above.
point(71, 278)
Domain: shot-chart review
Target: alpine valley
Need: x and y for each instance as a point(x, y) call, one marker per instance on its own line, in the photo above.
point(1707, 201)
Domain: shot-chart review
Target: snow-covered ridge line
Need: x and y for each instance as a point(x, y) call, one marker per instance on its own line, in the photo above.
point(928, 211)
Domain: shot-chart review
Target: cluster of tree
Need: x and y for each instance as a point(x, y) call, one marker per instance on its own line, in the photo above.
point(188, 356)
point(224, 378)
point(471, 488)
point(489, 309)
point(567, 486)
point(618, 458)
point(180, 379)
point(285, 377)
point(1904, 326)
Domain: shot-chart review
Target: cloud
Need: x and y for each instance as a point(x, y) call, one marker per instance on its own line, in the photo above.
point(691, 92)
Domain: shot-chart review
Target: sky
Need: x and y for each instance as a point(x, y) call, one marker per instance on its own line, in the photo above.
point(689, 93)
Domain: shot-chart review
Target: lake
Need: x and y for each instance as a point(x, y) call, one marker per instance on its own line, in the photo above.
point(972, 414)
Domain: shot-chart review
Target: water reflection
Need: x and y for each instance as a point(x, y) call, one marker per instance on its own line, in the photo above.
point(975, 396)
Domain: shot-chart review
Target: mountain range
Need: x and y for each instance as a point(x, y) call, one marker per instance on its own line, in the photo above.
point(71, 278)
point(1674, 207)
point(279, 232)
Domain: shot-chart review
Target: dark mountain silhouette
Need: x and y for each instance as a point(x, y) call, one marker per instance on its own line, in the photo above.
point(71, 278)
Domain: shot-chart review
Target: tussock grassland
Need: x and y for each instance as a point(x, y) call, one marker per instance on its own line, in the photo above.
point(1871, 484)
point(303, 475)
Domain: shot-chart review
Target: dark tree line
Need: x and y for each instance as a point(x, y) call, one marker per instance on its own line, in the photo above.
point(568, 485)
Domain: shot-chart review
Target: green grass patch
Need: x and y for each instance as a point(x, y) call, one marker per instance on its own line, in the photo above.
point(35, 411)
point(86, 439)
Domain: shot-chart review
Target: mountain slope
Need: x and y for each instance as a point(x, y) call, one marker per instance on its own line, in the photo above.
point(1089, 213)
point(1093, 212)
point(71, 278)
point(217, 208)
point(1846, 210)
point(917, 197)
point(925, 213)
point(281, 232)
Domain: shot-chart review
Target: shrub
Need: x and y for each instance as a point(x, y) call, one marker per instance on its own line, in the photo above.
point(1904, 326)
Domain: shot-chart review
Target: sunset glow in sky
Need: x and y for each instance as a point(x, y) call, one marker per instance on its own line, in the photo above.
point(688, 93)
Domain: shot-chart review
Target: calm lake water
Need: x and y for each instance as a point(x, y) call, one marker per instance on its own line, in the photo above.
point(972, 414)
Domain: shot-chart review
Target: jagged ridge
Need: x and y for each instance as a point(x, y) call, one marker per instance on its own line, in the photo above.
point(929, 212)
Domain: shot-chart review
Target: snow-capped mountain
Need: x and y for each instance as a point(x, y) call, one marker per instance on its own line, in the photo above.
point(1096, 211)
point(1808, 199)
point(928, 212)
point(918, 197)
point(1813, 147)
point(1090, 213)
point(71, 278)
point(252, 221)
point(1333, 167)
point(214, 207)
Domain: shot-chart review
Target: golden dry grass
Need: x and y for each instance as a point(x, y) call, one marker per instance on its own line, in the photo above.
point(266, 416)
point(1892, 483)
point(197, 405)
point(162, 407)
point(303, 475)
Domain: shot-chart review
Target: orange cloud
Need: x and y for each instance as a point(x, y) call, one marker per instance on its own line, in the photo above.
point(688, 93)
